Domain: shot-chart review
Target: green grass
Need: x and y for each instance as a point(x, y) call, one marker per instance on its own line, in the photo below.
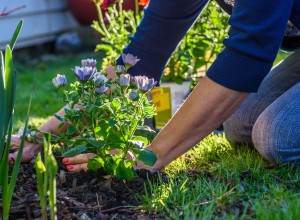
point(214, 180)
point(217, 180)
point(281, 56)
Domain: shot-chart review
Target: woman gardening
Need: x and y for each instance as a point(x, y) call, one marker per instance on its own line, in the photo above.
point(259, 105)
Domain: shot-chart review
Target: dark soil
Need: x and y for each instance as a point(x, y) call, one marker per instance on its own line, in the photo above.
point(84, 195)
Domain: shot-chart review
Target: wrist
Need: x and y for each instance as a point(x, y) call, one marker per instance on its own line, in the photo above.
point(35, 136)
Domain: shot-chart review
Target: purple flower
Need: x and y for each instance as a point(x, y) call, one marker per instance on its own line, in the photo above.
point(120, 69)
point(133, 95)
point(84, 74)
point(100, 79)
point(59, 81)
point(144, 83)
point(101, 89)
point(89, 63)
point(129, 60)
point(124, 80)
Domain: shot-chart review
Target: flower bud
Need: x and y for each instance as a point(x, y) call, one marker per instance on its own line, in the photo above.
point(133, 95)
point(101, 89)
point(124, 80)
point(59, 81)
point(120, 69)
point(100, 79)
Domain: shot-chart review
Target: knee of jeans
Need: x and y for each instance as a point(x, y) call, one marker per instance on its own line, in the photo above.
point(274, 140)
point(236, 128)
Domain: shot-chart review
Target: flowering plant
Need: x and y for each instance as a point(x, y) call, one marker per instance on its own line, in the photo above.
point(105, 111)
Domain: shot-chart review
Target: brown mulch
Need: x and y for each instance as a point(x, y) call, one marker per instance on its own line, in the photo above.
point(83, 196)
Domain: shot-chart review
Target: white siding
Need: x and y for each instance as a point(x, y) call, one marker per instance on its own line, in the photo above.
point(43, 20)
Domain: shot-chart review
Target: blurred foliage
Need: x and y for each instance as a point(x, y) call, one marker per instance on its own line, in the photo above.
point(115, 25)
point(194, 54)
point(199, 47)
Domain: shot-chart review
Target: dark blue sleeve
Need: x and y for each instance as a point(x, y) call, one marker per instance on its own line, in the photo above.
point(257, 29)
point(164, 24)
point(295, 15)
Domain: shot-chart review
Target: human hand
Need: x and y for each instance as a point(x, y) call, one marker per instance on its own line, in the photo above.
point(80, 162)
point(29, 150)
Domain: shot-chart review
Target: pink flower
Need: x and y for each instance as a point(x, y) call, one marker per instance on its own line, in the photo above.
point(129, 60)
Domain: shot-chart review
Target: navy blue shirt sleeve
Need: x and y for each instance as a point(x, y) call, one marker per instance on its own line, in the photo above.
point(257, 28)
point(164, 24)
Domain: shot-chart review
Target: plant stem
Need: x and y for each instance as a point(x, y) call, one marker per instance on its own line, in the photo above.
point(101, 23)
point(136, 3)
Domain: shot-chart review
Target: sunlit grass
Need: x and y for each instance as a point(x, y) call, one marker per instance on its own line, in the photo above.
point(217, 180)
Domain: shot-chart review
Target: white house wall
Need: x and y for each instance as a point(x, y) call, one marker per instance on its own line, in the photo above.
point(43, 21)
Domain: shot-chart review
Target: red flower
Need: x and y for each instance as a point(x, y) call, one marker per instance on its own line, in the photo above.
point(143, 2)
point(107, 3)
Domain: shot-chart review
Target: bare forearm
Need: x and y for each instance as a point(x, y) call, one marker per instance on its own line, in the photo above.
point(52, 124)
point(208, 106)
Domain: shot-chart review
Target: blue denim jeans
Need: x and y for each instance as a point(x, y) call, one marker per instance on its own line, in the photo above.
point(270, 119)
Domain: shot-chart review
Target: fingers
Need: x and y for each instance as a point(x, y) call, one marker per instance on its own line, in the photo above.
point(79, 162)
point(15, 142)
point(27, 155)
point(81, 158)
point(77, 167)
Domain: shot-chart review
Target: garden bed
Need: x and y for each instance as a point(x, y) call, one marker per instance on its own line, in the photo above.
point(82, 195)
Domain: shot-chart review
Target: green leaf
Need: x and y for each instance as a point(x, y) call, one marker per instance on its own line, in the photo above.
point(102, 130)
point(17, 163)
point(96, 143)
point(71, 130)
point(115, 104)
point(142, 139)
point(136, 143)
point(2, 105)
point(40, 170)
point(146, 132)
point(111, 122)
point(59, 117)
point(10, 83)
point(60, 126)
point(95, 163)
point(75, 151)
point(16, 35)
point(68, 110)
point(146, 156)
point(149, 111)
point(125, 170)
point(114, 136)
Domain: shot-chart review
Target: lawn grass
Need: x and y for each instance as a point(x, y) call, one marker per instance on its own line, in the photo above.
point(214, 180)
point(218, 180)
